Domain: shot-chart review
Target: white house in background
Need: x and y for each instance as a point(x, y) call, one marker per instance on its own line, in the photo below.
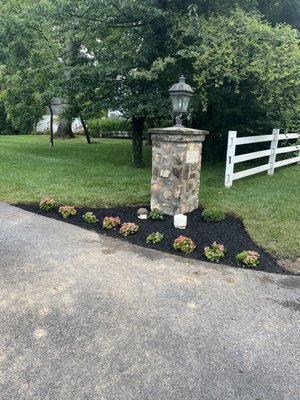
point(114, 114)
point(58, 106)
point(43, 125)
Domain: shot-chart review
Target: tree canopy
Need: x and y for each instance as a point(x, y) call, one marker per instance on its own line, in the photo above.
point(241, 57)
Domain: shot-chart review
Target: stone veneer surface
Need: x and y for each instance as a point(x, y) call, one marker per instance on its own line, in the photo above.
point(176, 164)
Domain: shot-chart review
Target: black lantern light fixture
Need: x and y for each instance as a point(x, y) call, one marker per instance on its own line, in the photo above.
point(180, 94)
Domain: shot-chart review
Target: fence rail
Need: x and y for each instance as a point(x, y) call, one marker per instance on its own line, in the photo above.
point(272, 152)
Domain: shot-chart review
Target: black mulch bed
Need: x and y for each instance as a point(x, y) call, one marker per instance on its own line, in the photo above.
point(230, 232)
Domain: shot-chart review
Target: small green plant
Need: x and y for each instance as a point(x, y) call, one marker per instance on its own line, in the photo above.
point(213, 214)
point(155, 214)
point(67, 211)
point(184, 244)
point(47, 204)
point(248, 259)
point(215, 252)
point(90, 217)
point(128, 228)
point(110, 222)
point(155, 237)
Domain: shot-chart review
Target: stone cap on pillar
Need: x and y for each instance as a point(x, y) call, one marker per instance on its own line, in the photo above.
point(177, 134)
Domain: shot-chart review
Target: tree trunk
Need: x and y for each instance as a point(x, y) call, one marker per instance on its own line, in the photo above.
point(51, 125)
point(86, 129)
point(64, 129)
point(137, 142)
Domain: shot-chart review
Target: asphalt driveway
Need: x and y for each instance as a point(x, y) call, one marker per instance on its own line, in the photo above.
point(87, 317)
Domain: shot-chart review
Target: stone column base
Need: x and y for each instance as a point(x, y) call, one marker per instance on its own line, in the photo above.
point(176, 164)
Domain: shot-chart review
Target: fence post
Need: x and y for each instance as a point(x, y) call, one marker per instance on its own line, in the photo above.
point(299, 148)
point(231, 144)
point(272, 157)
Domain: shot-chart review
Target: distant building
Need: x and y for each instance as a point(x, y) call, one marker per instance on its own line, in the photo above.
point(114, 114)
point(58, 105)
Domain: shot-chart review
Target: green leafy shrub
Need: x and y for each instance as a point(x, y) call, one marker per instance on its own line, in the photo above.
point(94, 126)
point(128, 228)
point(156, 214)
point(103, 125)
point(67, 211)
point(47, 204)
point(248, 259)
point(155, 237)
point(184, 244)
point(215, 252)
point(90, 217)
point(213, 214)
point(111, 222)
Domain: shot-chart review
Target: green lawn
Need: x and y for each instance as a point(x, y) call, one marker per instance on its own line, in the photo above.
point(73, 172)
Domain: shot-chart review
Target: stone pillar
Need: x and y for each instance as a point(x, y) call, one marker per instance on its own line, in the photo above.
point(176, 164)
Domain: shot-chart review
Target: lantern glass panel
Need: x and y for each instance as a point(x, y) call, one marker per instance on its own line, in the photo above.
point(186, 101)
point(180, 103)
point(175, 103)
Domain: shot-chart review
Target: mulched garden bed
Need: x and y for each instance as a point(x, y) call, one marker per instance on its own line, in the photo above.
point(230, 232)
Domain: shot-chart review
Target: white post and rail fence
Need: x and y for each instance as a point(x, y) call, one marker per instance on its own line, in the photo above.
point(272, 152)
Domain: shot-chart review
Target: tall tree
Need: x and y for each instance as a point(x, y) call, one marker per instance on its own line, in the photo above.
point(245, 62)
point(29, 64)
point(125, 54)
point(281, 11)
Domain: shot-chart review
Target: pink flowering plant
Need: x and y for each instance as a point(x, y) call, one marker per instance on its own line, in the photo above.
point(47, 204)
point(111, 222)
point(214, 252)
point(248, 259)
point(67, 211)
point(128, 228)
point(184, 244)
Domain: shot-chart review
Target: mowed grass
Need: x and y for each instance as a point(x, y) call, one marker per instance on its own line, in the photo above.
point(268, 205)
point(72, 172)
point(100, 175)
